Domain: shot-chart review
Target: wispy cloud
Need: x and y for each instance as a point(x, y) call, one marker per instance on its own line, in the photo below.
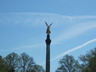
point(74, 49)
point(74, 31)
point(58, 19)
point(37, 18)
point(24, 47)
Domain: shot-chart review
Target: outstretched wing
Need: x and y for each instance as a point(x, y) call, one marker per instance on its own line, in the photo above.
point(50, 24)
point(46, 23)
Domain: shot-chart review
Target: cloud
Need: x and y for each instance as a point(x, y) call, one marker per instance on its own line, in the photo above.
point(74, 49)
point(37, 19)
point(30, 18)
point(24, 47)
point(74, 31)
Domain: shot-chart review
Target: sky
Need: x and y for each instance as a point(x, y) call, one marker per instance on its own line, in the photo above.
point(22, 28)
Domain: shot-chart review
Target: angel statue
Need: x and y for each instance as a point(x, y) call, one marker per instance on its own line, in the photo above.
point(48, 28)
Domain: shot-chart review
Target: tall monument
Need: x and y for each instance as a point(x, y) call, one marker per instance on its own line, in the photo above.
point(48, 42)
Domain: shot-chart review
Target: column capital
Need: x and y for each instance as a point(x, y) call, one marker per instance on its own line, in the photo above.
point(48, 41)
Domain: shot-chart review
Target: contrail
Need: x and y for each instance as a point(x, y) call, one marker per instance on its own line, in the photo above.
point(71, 50)
point(74, 49)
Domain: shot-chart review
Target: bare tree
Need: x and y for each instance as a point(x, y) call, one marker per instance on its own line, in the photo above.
point(12, 60)
point(68, 64)
point(26, 63)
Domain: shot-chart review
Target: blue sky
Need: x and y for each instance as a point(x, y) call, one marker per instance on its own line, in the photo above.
point(22, 28)
point(66, 7)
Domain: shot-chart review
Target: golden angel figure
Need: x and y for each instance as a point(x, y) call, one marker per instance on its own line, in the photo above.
point(48, 28)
